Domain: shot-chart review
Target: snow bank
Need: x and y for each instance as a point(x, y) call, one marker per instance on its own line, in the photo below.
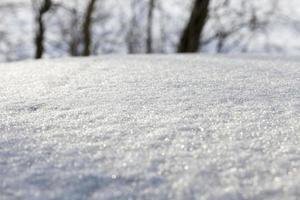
point(160, 127)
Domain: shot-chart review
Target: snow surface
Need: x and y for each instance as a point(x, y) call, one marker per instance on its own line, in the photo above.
point(142, 127)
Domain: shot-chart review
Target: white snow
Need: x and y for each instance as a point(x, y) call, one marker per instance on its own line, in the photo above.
point(150, 127)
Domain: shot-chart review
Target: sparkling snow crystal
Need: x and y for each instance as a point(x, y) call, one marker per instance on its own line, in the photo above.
point(142, 127)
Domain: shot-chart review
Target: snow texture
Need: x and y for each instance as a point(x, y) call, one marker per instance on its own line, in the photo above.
point(142, 127)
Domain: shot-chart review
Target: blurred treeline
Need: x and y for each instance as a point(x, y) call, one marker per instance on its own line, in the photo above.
point(57, 28)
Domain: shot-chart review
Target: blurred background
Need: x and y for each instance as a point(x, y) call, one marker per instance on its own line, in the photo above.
point(33, 29)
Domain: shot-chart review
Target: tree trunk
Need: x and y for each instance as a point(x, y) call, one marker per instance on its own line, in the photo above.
point(40, 33)
point(149, 39)
point(134, 34)
point(86, 29)
point(191, 38)
point(74, 42)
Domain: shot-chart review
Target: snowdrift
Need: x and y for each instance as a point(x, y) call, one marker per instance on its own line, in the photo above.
point(150, 127)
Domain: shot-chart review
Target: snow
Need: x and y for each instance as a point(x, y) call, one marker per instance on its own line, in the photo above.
point(150, 127)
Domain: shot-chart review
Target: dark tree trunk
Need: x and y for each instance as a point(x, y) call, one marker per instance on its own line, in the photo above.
point(40, 33)
point(149, 39)
point(74, 43)
point(190, 39)
point(86, 29)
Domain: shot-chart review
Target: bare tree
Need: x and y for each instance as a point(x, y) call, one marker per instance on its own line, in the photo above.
point(234, 26)
point(75, 28)
point(190, 39)
point(135, 35)
point(41, 28)
point(86, 28)
point(74, 42)
point(66, 27)
point(149, 39)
